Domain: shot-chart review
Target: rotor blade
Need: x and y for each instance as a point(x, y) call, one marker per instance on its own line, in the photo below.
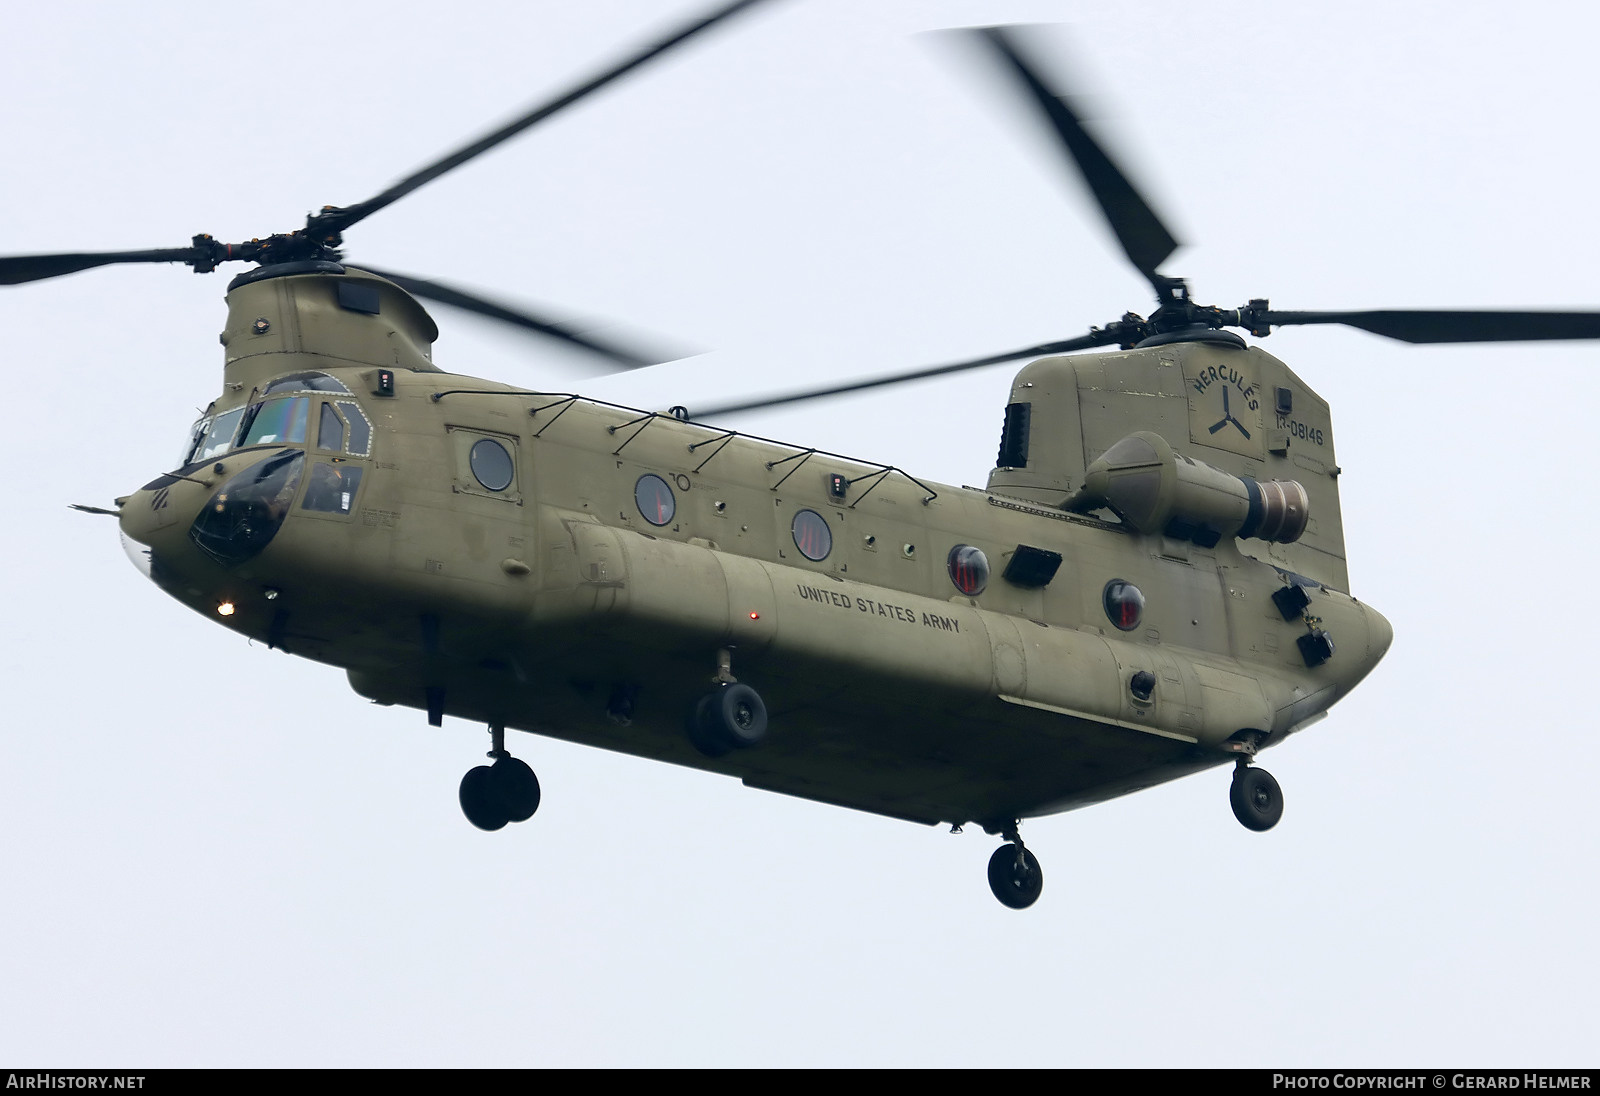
point(16, 269)
point(471, 302)
point(1098, 338)
point(340, 219)
point(1144, 238)
point(1454, 325)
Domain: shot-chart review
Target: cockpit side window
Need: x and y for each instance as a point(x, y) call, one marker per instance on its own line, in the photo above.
point(343, 426)
point(196, 433)
point(360, 431)
point(214, 436)
point(330, 431)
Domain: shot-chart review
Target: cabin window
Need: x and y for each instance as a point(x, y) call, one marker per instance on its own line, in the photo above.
point(280, 421)
point(969, 569)
point(654, 499)
point(491, 464)
point(1124, 604)
point(485, 464)
point(812, 535)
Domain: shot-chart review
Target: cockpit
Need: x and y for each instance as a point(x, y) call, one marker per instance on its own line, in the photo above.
point(278, 416)
point(246, 512)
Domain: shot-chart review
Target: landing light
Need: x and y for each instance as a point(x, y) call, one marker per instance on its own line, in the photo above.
point(225, 609)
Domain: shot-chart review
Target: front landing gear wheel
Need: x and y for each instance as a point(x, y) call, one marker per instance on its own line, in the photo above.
point(480, 799)
point(732, 717)
point(1256, 798)
point(492, 795)
point(1015, 876)
point(518, 788)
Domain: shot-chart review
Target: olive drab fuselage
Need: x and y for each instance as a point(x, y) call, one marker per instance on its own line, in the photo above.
point(540, 560)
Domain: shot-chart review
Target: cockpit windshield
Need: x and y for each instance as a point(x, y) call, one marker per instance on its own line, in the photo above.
point(281, 421)
point(277, 420)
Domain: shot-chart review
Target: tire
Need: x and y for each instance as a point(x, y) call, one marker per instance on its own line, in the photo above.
point(481, 801)
point(726, 719)
point(1256, 799)
point(702, 735)
point(1017, 886)
point(517, 787)
point(739, 716)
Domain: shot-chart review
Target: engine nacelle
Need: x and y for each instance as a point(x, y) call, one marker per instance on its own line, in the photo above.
point(1157, 490)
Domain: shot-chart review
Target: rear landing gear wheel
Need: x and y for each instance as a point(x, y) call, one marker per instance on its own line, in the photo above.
point(1256, 798)
point(1015, 876)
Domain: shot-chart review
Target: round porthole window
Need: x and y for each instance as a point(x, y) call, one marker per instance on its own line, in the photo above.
point(969, 569)
point(812, 535)
point(654, 499)
point(491, 464)
point(1124, 604)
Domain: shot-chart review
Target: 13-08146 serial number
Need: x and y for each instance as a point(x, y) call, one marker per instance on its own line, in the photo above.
point(1300, 430)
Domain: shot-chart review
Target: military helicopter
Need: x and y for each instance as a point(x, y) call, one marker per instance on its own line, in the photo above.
point(1152, 583)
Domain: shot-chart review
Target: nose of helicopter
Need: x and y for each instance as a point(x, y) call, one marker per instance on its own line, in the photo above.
point(156, 523)
point(155, 518)
point(140, 555)
point(187, 516)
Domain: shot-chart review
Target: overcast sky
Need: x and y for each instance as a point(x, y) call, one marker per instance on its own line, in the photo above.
point(214, 854)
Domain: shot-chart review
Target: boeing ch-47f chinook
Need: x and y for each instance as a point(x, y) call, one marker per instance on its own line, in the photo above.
point(1153, 582)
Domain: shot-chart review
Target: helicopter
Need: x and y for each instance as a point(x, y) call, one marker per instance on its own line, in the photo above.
point(1037, 509)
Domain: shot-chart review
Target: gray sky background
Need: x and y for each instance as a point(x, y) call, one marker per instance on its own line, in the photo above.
point(213, 854)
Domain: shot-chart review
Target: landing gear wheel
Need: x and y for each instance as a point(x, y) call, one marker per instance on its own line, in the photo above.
point(1015, 876)
point(481, 801)
point(517, 787)
point(730, 718)
point(701, 736)
point(505, 792)
point(1256, 798)
point(739, 715)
